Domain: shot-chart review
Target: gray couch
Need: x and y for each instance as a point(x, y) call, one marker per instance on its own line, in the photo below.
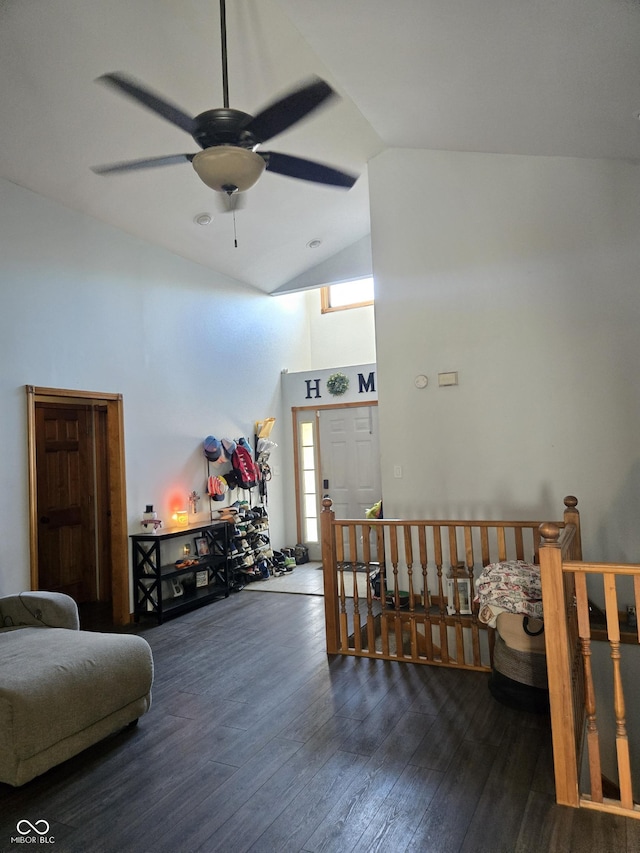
point(62, 689)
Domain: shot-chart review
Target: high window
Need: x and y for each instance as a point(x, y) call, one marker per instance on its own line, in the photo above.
point(347, 294)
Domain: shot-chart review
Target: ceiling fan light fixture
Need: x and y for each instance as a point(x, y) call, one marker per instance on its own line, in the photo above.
point(228, 168)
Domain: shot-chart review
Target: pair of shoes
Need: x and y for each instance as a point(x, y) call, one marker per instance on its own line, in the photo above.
point(250, 571)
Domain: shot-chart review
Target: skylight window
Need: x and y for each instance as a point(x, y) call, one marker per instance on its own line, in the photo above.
point(347, 294)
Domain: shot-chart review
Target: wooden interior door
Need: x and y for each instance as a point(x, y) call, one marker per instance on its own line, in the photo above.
point(66, 477)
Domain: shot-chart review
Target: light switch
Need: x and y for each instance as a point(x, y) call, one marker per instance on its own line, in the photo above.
point(397, 471)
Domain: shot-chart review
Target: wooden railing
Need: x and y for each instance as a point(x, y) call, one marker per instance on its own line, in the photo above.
point(405, 590)
point(570, 632)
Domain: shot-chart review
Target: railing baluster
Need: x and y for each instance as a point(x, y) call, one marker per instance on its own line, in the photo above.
point(384, 626)
point(470, 560)
point(444, 640)
point(344, 621)
point(339, 543)
point(468, 546)
point(366, 555)
point(357, 636)
point(453, 546)
point(366, 543)
point(484, 545)
point(424, 561)
point(593, 739)
point(371, 622)
point(408, 556)
point(394, 554)
point(519, 543)
point(622, 742)
point(502, 544)
point(452, 531)
point(353, 544)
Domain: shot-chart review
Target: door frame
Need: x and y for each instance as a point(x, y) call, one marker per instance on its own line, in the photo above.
point(117, 502)
point(359, 404)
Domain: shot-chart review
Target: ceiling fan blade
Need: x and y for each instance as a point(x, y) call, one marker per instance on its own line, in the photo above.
point(288, 110)
point(147, 163)
point(149, 99)
point(307, 170)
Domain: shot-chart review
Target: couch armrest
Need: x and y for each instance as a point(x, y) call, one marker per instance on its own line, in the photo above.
point(39, 609)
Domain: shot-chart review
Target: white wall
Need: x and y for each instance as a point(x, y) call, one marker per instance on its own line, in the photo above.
point(520, 273)
point(340, 338)
point(86, 307)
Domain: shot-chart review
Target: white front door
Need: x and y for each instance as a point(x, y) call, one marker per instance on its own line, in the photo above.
point(337, 455)
point(350, 459)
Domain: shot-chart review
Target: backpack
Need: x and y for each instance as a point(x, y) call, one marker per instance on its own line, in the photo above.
point(247, 473)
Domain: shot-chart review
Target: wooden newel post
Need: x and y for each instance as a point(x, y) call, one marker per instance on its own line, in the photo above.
point(330, 572)
point(572, 516)
point(559, 669)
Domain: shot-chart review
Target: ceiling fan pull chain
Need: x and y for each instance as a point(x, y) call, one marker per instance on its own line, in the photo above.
point(235, 236)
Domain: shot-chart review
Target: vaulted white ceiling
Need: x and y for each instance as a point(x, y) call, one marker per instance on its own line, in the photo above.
point(536, 77)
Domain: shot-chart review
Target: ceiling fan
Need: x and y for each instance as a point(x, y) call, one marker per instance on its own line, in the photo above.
point(230, 161)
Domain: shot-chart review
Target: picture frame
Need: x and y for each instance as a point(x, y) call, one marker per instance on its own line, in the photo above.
point(202, 546)
point(202, 578)
point(464, 595)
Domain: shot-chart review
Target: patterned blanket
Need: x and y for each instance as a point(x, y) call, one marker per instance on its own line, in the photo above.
point(512, 586)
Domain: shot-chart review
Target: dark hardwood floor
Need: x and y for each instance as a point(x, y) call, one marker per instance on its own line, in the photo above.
point(256, 741)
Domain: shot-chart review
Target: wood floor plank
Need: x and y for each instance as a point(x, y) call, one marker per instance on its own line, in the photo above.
point(289, 831)
point(395, 822)
point(273, 798)
point(450, 812)
point(345, 824)
point(195, 824)
point(327, 696)
point(440, 741)
point(545, 826)
point(505, 793)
